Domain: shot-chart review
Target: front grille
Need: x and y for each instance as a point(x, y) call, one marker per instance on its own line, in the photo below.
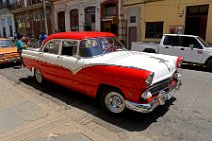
point(160, 86)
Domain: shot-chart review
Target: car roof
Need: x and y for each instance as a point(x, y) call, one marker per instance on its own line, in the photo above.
point(180, 35)
point(79, 35)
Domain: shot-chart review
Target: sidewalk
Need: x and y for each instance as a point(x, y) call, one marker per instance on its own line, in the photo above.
point(26, 116)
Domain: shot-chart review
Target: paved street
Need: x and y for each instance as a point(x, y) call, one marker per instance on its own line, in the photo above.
point(50, 112)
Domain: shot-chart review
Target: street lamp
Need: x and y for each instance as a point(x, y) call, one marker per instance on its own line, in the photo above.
point(45, 18)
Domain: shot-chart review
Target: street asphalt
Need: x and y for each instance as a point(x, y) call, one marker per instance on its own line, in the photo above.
point(33, 112)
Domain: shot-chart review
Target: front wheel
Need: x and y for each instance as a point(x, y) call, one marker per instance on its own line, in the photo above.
point(209, 65)
point(113, 101)
point(38, 76)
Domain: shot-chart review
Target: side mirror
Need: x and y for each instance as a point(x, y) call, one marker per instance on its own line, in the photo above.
point(191, 46)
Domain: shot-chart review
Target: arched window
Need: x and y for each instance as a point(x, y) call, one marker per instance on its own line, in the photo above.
point(90, 19)
point(61, 21)
point(74, 20)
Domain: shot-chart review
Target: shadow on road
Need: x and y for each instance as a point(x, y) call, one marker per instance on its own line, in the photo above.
point(131, 121)
point(16, 65)
point(194, 67)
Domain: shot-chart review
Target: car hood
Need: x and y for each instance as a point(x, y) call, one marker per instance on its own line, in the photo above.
point(162, 65)
point(8, 50)
point(209, 48)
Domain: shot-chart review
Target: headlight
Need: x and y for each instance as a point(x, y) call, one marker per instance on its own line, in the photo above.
point(150, 79)
point(1, 55)
point(146, 95)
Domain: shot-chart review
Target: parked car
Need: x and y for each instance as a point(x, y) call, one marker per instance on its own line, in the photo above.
point(8, 51)
point(98, 65)
point(193, 49)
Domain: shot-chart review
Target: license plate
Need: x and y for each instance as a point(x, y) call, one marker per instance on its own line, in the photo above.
point(170, 94)
point(154, 105)
point(162, 100)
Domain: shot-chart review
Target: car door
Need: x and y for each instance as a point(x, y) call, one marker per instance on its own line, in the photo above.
point(191, 50)
point(71, 64)
point(49, 60)
point(170, 45)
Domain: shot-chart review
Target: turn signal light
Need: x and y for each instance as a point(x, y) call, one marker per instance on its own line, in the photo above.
point(179, 62)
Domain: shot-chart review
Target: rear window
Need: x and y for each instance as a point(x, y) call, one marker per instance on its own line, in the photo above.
point(6, 44)
point(171, 40)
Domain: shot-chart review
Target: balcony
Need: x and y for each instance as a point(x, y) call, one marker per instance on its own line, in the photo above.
point(26, 5)
point(4, 5)
point(21, 4)
point(31, 2)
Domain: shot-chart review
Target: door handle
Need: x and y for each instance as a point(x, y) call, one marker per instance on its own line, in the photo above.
point(182, 49)
point(59, 57)
point(40, 53)
point(167, 47)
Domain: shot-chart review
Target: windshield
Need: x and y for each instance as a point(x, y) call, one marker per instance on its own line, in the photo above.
point(205, 44)
point(6, 44)
point(99, 46)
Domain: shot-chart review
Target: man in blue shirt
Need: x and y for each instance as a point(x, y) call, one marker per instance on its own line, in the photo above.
point(42, 37)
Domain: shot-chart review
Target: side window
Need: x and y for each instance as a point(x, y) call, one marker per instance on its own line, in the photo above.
point(69, 48)
point(190, 42)
point(52, 47)
point(171, 40)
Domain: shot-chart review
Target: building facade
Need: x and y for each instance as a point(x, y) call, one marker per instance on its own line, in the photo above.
point(7, 26)
point(88, 15)
point(31, 18)
point(149, 20)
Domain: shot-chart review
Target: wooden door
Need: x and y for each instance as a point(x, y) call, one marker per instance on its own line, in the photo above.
point(132, 36)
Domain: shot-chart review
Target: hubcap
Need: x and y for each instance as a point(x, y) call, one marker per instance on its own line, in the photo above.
point(115, 102)
point(38, 76)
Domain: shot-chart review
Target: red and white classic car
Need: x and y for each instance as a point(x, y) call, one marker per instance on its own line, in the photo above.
point(98, 65)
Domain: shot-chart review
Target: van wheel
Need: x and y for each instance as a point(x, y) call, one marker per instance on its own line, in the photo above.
point(149, 50)
point(112, 101)
point(209, 65)
point(38, 76)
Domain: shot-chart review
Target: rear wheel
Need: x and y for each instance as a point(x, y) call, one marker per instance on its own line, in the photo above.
point(209, 65)
point(113, 101)
point(38, 76)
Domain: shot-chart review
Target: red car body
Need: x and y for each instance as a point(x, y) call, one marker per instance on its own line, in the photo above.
point(94, 75)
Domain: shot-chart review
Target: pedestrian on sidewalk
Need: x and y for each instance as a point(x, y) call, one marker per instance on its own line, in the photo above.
point(20, 45)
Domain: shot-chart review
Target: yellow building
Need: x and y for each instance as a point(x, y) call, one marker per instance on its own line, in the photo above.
point(148, 20)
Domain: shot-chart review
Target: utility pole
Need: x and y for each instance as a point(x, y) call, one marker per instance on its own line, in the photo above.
point(45, 18)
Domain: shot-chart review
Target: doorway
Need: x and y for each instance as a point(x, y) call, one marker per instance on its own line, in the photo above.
point(108, 26)
point(132, 36)
point(61, 21)
point(196, 20)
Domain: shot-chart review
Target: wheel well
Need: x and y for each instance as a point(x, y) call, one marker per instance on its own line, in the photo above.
point(149, 50)
point(210, 58)
point(104, 86)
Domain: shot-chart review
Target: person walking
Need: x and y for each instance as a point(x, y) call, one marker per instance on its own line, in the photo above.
point(42, 37)
point(20, 45)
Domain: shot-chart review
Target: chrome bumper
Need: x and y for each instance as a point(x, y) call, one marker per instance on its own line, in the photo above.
point(159, 100)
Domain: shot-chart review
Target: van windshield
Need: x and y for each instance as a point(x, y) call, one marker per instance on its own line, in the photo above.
point(205, 44)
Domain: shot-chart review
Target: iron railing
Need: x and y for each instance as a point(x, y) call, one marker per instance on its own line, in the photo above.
point(4, 5)
point(21, 4)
